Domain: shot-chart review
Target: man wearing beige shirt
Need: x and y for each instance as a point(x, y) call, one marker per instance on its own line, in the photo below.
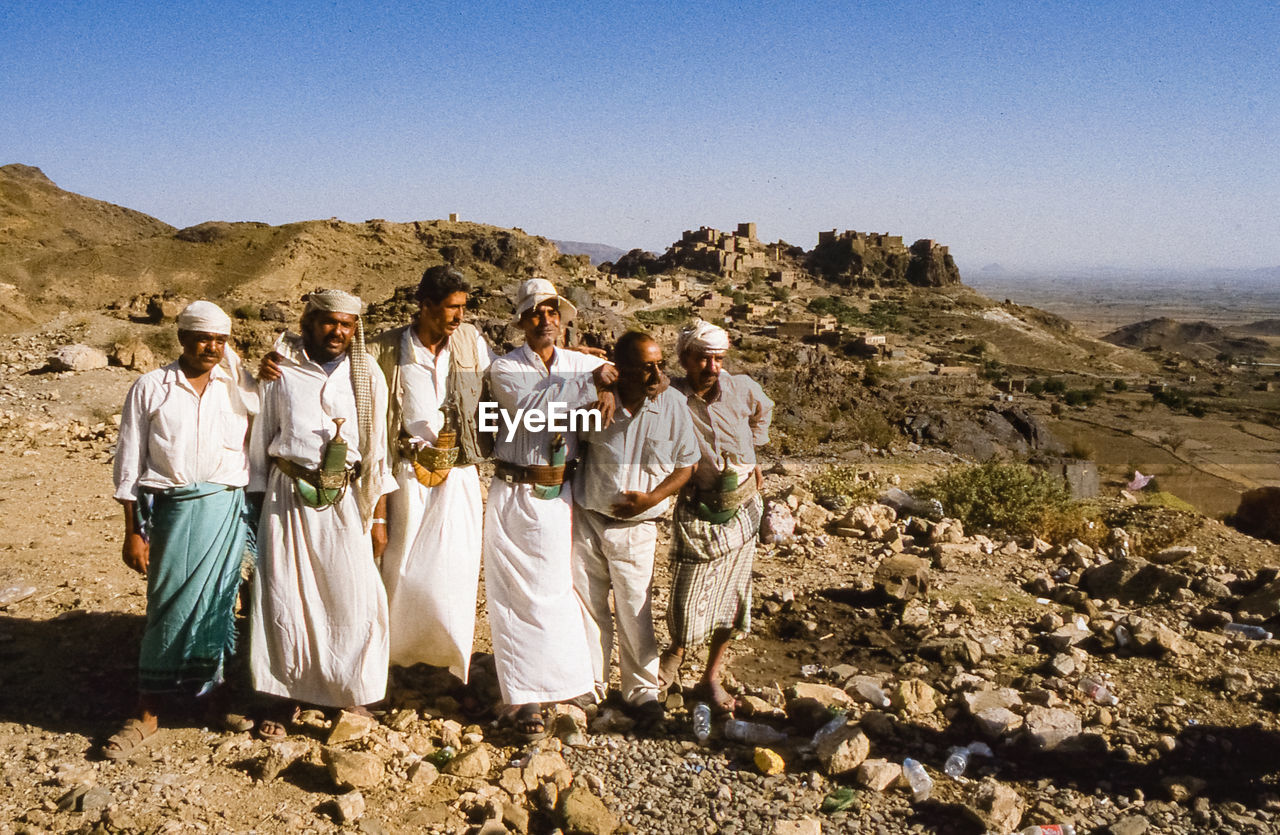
point(717, 518)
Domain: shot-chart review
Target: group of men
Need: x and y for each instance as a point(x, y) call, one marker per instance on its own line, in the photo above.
point(351, 465)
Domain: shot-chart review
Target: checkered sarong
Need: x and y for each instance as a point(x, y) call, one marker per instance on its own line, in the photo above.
point(711, 574)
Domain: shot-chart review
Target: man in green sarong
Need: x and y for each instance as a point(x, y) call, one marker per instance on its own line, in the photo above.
point(180, 471)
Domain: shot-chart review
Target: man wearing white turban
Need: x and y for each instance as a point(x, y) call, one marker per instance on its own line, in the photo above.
point(318, 618)
point(717, 518)
point(180, 472)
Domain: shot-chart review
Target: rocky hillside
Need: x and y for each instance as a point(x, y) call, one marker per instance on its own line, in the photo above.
point(1191, 339)
point(60, 250)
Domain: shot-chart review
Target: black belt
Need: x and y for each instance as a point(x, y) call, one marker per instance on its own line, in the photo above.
point(541, 474)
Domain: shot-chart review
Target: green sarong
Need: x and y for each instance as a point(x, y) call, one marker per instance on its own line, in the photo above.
point(197, 534)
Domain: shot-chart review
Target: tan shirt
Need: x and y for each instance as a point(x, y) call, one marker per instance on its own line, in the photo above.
point(730, 424)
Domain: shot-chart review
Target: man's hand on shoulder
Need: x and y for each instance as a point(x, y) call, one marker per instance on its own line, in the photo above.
point(269, 368)
point(606, 404)
point(605, 375)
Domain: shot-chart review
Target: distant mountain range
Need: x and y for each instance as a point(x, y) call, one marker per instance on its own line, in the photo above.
point(598, 253)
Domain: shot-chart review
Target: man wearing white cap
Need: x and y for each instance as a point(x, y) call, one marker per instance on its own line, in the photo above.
point(539, 641)
point(717, 518)
point(318, 620)
point(180, 472)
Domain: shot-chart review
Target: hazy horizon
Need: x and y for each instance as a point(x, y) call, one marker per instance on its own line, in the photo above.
point(1039, 137)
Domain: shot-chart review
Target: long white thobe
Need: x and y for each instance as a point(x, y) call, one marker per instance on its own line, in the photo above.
point(431, 567)
point(539, 641)
point(318, 614)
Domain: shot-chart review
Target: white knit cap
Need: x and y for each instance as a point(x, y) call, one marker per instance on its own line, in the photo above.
point(702, 336)
point(204, 317)
point(535, 291)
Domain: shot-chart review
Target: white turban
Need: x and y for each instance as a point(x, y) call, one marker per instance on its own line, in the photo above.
point(204, 317)
point(702, 336)
point(334, 301)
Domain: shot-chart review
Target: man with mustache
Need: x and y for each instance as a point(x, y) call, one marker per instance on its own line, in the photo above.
point(318, 451)
point(632, 469)
point(717, 518)
point(435, 369)
point(180, 472)
point(539, 642)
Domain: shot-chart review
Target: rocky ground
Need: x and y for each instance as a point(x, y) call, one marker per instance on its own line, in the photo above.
point(969, 637)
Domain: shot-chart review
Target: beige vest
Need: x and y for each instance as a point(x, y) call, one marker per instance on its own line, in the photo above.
point(464, 388)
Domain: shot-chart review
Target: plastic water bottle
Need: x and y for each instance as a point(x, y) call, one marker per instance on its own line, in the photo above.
point(1247, 630)
point(836, 722)
point(752, 733)
point(1097, 691)
point(1123, 635)
point(958, 758)
point(701, 722)
point(919, 780)
point(871, 693)
point(957, 762)
point(1049, 829)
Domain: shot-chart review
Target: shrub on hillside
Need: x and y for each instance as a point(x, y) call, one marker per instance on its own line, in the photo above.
point(1012, 497)
point(838, 487)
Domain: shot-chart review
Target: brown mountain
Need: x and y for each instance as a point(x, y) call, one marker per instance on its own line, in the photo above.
point(60, 250)
point(1199, 340)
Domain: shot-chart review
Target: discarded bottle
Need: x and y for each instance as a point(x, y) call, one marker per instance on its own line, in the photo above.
point(958, 758)
point(1097, 691)
point(957, 762)
point(1248, 630)
point(15, 594)
point(441, 756)
point(839, 800)
point(701, 722)
point(1049, 829)
point(869, 691)
point(919, 780)
point(1123, 635)
point(836, 722)
point(752, 733)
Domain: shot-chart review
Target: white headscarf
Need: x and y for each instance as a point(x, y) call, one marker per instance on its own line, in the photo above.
point(204, 317)
point(702, 336)
point(207, 317)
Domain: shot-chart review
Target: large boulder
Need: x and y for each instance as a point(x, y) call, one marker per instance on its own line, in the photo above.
point(78, 357)
point(903, 577)
point(995, 807)
point(584, 813)
point(1259, 513)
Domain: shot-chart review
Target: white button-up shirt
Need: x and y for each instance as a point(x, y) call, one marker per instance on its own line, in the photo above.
point(636, 452)
point(426, 377)
point(170, 436)
point(729, 426)
point(520, 380)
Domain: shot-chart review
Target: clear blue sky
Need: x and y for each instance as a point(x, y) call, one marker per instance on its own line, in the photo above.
point(1033, 134)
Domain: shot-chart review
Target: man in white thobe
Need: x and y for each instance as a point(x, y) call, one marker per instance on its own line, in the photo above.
point(435, 370)
point(319, 611)
point(631, 470)
point(539, 642)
